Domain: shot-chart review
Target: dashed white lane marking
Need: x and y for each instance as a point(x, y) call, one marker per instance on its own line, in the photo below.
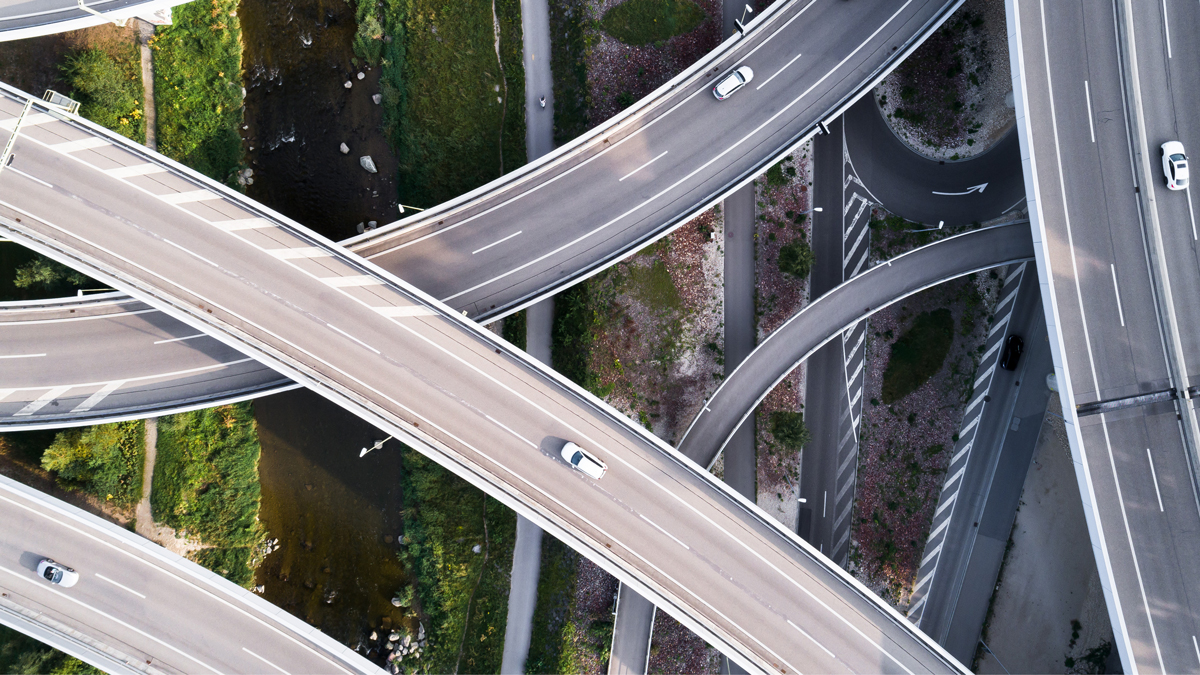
point(120, 586)
point(352, 280)
point(768, 80)
point(352, 337)
point(195, 255)
point(41, 401)
point(656, 526)
point(1166, 27)
point(180, 339)
point(1087, 95)
point(299, 252)
point(814, 640)
point(39, 180)
point(29, 121)
point(660, 156)
point(1191, 212)
point(1154, 477)
point(94, 400)
point(1117, 292)
point(497, 242)
point(1196, 646)
point(82, 144)
point(189, 196)
point(265, 661)
point(408, 310)
point(243, 224)
point(136, 170)
point(21, 356)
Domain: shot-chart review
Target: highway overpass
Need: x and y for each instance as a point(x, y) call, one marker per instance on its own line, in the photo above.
point(21, 19)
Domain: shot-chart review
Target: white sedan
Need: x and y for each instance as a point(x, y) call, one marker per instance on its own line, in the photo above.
point(57, 573)
point(732, 82)
point(583, 460)
point(1175, 165)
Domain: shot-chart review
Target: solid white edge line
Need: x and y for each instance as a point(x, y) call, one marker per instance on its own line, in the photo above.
point(622, 178)
point(266, 661)
point(1154, 477)
point(120, 586)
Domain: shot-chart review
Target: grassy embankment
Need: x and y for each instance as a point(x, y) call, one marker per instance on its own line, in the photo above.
point(104, 460)
point(643, 22)
point(206, 483)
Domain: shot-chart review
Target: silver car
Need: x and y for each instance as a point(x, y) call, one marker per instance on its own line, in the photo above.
point(1175, 165)
point(583, 460)
point(57, 573)
point(732, 82)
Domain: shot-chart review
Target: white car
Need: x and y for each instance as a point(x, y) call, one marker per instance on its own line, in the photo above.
point(732, 82)
point(57, 573)
point(583, 460)
point(1175, 165)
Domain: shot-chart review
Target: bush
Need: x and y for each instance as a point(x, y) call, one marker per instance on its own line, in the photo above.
point(109, 89)
point(45, 274)
point(368, 38)
point(775, 175)
point(515, 329)
point(796, 259)
point(571, 346)
point(918, 354)
point(642, 22)
point(788, 428)
point(104, 460)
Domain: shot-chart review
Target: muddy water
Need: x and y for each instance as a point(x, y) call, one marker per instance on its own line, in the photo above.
point(336, 516)
point(297, 57)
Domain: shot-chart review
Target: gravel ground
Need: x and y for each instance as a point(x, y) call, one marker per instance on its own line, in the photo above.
point(779, 297)
point(675, 649)
point(950, 99)
point(595, 602)
point(906, 446)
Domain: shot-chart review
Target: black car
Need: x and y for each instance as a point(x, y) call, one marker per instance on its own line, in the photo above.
point(1013, 348)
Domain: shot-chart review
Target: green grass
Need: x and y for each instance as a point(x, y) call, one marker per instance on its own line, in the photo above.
point(575, 319)
point(198, 88)
point(109, 87)
point(515, 329)
point(918, 354)
point(463, 595)
point(796, 259)
point(642, 22)
point(569, 68)
point(653, 287)
point(206, 481)
point(549, 651)
point(20, 653)
point(105, 460)
point(455, 112)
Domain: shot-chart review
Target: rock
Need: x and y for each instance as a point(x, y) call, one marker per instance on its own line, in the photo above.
point(309, 585)
point(374, 636)
point(421, 633)
point(327, 570)
point(348, 84)
point(368, 164)
point(476, 548)
point(360, 228)
point(387, 538)
point(260, 589)
point(372, 224)
point(377, 98)
point(393, 636)
point(308, 486)
point(344, 148)
point(406, 641)
point(329, 596)
point(360, 75)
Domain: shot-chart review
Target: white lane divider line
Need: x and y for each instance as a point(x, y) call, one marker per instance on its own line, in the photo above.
point(1166, 27)
point(299, 252)
point(94, 400)
point(81, 144)
point(352, 337)
point(41, 401)
point(497, 242)
point(665, 532)
point(1154, 477)
point(21, 356)
point(352, 280)
point(136, 170)
point(181, 339)
point(265, 661)
point(32, 178)
point(243, 224)
point(30, 120)
point(408, 310)
point(1188, 192)
point(622, 178)
point(1117, 291)
point(1196, 646)
point(813, 639)
point(1087, 95)
point(768, 80)
point(189, 197)
point(195, 255)
point(120, 586)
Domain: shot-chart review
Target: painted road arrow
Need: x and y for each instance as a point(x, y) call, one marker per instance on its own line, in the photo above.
point(971, 189)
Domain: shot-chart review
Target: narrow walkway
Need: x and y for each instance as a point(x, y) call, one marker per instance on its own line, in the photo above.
point(145, 32)
point(145, 520)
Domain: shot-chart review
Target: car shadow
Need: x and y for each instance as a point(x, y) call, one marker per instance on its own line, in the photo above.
point(30, 560)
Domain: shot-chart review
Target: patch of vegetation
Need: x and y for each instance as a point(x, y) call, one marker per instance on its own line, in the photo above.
point(796, 259)
point(549, 649)
point(108, 84)
point(20, 653)
point(368, 36)
point(642, 22)
point(918, 354)
point(206, 482)
point(463, 594)
point(105, 460)
point(198, 88)
point(575, 318)
point(35, 277)
point(567, 48)
point(788, 428)
point(653, 286)
point(515, 329)
point(459, 111)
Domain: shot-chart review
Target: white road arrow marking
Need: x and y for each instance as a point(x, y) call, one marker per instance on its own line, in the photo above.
point(971, 189)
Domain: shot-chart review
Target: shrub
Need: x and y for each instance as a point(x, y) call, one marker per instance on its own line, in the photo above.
point(788, 428)
point(642, 22)
point(104, 460)
point(110, 90)
point(46, 273)
point(368, 38)
point(918, 354)
point(796, 259)
point(776, 177)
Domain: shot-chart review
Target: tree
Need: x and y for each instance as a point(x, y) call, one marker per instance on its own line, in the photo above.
point(788, 428)
point(46, 273)
point(796, 259)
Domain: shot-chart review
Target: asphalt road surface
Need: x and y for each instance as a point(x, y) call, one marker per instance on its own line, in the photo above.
point(20, 19)
point(380, 348)
point(1085, 176)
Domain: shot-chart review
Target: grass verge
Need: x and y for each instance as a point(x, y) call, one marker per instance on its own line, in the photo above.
point(105, 460)
point(642, 22)
point(108, 84)
point(463, 594)
point(198, 88)
point(918, 354)
point(206, 482)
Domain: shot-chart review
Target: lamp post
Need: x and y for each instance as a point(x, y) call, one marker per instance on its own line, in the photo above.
point(378, 445)
point(740, 23)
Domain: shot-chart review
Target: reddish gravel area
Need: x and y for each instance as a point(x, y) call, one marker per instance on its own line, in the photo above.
point(675, 649)
point(619, 74)
point(906, 446)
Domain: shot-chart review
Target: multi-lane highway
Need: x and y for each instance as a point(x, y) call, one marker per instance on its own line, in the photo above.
point(20, 19)
point(375, 345)
point(1091, 116)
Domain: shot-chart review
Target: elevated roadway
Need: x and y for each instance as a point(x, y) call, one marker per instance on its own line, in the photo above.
point(418, 369)
point(21, 19)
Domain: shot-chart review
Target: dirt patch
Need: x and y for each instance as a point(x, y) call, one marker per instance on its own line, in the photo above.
point(297, 58)
point(675, 649)
point(906, 446)
point(952, 98)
